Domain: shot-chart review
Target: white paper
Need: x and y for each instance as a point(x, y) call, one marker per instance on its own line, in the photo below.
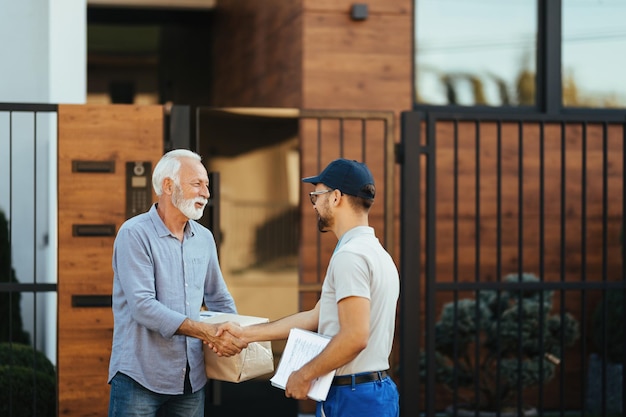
point(301, 347)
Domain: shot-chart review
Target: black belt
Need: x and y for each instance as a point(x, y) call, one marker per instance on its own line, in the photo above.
point(360, 379)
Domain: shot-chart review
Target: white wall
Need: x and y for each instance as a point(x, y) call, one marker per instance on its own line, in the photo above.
point(43, 53)
point(24, 51)
point(67, 49)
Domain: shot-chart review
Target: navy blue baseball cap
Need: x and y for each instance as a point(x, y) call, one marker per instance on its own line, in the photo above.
point(347, 176)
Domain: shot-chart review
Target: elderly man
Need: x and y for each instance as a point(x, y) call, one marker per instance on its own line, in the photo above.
point(165, 267)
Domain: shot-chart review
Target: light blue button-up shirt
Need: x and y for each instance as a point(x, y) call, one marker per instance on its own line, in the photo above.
point(158, 281)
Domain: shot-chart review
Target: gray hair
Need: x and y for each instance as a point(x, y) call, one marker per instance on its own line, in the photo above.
point(168, 167)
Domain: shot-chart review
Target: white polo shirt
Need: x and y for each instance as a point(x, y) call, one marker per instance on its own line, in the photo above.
point(361, 267)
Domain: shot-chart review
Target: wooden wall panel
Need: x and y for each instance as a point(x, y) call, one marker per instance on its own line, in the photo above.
point(117, 133)
point(257, 53)
point(344, 6)
point(354, 65)
point(357, 64)
point(363, 140)
point(521, 196)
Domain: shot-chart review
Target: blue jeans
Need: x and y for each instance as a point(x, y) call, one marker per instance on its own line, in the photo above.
point(130, 399)
point(376, 398)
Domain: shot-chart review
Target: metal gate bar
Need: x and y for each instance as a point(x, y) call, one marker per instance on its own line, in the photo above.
point(8, 287)
point(419, 236)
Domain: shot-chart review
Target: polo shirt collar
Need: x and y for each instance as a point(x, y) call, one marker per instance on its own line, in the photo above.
point(356, 231)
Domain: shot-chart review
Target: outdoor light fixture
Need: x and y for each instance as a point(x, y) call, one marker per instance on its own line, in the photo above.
point(359, 11)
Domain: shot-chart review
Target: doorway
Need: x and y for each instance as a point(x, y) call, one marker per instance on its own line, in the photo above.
point(149, 55)
point(256, 152)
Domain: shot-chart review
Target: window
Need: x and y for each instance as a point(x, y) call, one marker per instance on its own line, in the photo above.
point(478, 52)
point(593, 60)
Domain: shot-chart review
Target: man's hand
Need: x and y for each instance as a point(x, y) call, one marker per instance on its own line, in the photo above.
point(227, 333)
point(226, 339)
point(230, 327)
point(298, 386)
point(224, 345)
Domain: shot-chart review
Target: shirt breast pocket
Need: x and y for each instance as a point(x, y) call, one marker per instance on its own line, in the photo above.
point(199, 267)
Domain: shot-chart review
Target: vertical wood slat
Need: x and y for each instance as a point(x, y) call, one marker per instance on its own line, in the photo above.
point(118, 133)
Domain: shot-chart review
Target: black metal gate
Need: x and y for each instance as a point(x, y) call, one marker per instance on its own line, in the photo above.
point(27, 280)
point(511, 260)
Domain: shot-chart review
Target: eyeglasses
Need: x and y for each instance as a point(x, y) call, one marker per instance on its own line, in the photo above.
point(313, 195)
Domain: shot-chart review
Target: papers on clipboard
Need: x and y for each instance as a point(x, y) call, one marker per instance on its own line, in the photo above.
point(301, 347)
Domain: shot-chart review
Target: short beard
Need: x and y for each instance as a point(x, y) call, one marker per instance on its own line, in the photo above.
point(324, 223)
point(187, 206)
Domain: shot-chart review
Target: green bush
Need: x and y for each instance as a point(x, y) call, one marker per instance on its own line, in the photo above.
point(9, 302)
point(27, 382)
point(519, 337)
point(15, 354)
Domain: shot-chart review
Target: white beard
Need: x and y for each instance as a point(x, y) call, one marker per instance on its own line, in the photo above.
point(188, 206)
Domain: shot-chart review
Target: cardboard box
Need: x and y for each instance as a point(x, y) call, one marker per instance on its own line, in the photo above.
point(255, 360)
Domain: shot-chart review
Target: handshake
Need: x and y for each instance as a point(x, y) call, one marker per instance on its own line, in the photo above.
point(231, 334)
point(225, 339)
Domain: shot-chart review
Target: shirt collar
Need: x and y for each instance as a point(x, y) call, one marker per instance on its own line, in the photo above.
point(356, 231)
point(162, 229)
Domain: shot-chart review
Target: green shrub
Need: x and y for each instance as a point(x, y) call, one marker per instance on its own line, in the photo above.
point(15, 354)
point(27, 382)
point(9, 302)
point(520, 342)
